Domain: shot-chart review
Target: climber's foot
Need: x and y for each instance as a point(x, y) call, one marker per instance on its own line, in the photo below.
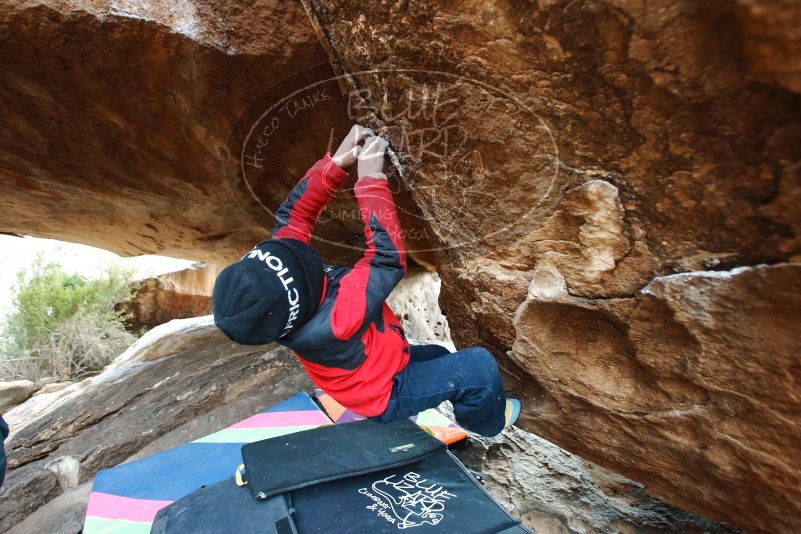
point(512, 412)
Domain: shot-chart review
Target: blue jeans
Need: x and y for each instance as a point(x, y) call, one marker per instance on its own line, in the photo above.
point(469, 378)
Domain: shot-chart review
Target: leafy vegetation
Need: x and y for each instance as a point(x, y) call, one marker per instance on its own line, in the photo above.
point(63, 324)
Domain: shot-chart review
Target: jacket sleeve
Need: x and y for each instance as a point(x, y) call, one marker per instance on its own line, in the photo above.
point(365, 288)
point(297, 215)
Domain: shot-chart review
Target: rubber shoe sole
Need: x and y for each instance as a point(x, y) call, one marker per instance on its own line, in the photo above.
point(513, 408)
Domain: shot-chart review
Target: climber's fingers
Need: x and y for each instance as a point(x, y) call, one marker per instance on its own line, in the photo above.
point(349, 149)
point(358, 132)
point(374, 147)
point(371, 158)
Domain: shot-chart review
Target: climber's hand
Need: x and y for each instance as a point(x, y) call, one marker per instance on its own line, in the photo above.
point(349, 150)
point(371, 157)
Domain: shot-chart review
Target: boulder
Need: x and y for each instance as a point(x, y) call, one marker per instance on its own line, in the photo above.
point(52, 387)
point(555, 492)
point(176, 336)
point(176, 295)
point(673, 359)
point(570, 161)
point(63, 515)
point(24, 491)
point(15, 392)
point(117, 115)
point(38, 405)
point(609, 191)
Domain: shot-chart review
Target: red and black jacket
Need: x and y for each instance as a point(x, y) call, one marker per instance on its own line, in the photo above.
point(353, 344)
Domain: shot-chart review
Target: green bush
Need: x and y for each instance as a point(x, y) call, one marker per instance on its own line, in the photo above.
point(63, 324)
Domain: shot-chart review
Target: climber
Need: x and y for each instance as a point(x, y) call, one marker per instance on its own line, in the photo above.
point(335, 318)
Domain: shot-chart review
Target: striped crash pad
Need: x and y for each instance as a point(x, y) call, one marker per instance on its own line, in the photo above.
point(126, 498)
point(431, 420)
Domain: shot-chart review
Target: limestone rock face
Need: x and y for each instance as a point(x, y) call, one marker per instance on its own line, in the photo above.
point(568, 159)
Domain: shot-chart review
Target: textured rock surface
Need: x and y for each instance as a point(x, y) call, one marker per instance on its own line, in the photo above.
point(24, 491)
point(63, 515)
point(116, 116)
point(555, 492)
point(415, 300)
point(560, 162)
point(170, 338)
point(719, 398)
point(177, 295)
point(567, 158)
point(40, 404)
point(15, 392)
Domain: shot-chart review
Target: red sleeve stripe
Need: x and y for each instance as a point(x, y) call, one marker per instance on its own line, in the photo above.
point(382, 266)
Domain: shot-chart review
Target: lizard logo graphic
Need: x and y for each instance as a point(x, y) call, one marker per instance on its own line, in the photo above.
point(413, 500)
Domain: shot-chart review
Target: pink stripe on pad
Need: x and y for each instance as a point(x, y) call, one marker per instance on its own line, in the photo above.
point(110, 506)
point(278, 419)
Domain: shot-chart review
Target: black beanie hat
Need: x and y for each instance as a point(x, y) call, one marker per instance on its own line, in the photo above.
point(270, 292)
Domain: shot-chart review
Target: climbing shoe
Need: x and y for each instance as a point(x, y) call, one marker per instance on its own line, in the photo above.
point(512, 412)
